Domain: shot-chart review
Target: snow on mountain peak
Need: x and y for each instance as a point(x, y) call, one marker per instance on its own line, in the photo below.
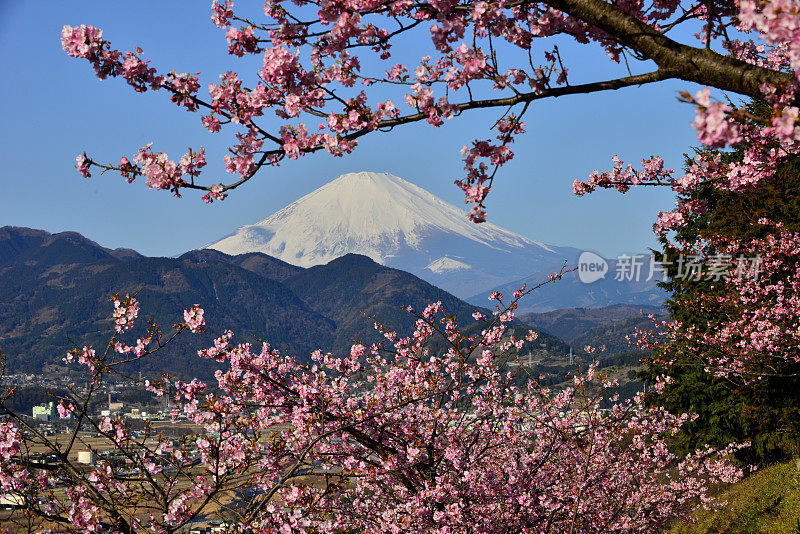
point(446, 264)
point(375, 214)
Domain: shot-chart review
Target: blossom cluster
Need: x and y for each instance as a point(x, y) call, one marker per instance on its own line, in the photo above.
point(394, 436)
point(125, 313)
point(754, 325)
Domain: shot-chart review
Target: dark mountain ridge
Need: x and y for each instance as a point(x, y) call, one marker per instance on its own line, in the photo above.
point(257, 262)
point(23, 245)
point(55, 289)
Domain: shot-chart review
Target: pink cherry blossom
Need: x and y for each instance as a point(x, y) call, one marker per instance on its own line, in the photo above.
point(373, 422)
point(194, 318)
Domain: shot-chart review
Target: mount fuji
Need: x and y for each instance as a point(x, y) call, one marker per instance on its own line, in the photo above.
point(400, 225)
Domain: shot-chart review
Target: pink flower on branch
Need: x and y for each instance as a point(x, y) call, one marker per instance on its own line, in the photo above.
point(194, 319)
point(241, 41)
point(215, 193)
point(714, 126)
point(83, 164)
point(125, 313)
point(221, 13)
point(622, 177)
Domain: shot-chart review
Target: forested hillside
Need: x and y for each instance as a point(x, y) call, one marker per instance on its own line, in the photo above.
point(55, 290)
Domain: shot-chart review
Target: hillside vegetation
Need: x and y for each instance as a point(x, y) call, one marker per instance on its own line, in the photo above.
point(767, 502)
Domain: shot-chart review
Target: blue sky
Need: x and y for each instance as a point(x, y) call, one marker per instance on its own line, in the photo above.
point(54, 108)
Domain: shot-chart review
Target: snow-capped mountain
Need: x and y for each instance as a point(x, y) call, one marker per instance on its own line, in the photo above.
point(398, 224)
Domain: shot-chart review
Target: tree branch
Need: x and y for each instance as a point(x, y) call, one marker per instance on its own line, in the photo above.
point(675, 60)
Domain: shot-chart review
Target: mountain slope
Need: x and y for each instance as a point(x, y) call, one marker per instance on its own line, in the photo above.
point(606, 326)
point(397, 224)
point(56, 288)
point(45, 304)
point(352, 289)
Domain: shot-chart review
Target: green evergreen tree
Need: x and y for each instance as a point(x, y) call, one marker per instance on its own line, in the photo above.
point(767, 412)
